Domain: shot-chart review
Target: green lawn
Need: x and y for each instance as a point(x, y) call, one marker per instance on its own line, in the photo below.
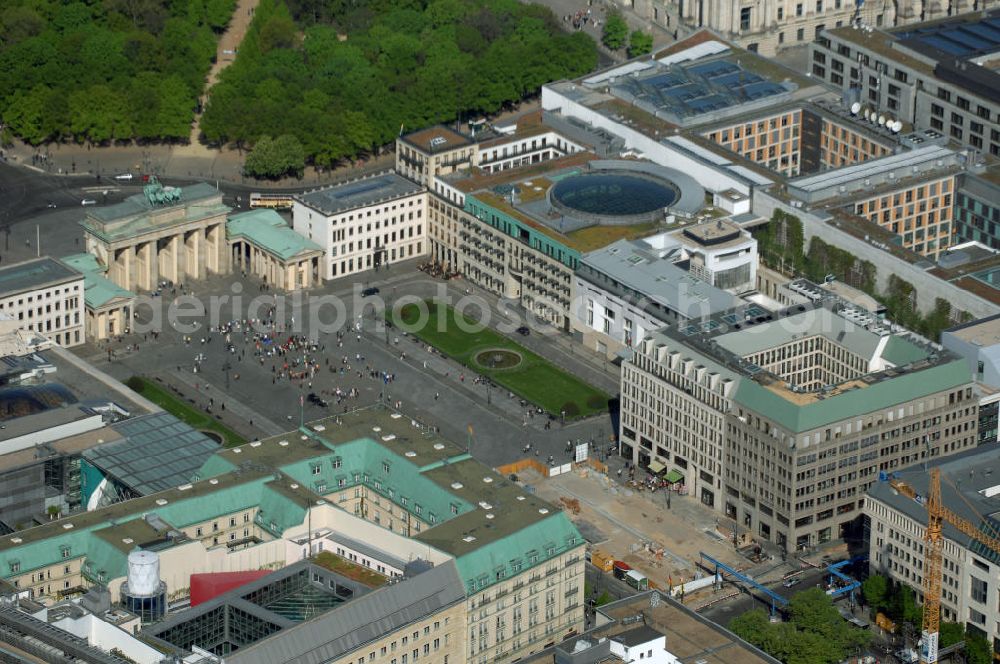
point(182, 410)
point(534, 379)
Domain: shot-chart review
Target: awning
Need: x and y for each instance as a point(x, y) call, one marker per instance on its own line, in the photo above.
point(675, 476)
point(656, 467)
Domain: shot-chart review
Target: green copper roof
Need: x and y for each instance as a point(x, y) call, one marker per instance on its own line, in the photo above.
point(883, 394)
point(137, 215)
point(98, 290)
point(489, 524)
point(269, 232)
point(99, 534)
point(900, 351)
point(528, 547)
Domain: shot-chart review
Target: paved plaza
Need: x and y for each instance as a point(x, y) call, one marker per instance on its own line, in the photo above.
point(359, 368)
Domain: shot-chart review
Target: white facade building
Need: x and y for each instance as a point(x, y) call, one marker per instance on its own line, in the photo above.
point(970, 571)
point(365, 224)
point(45, 296)
point(632, 287)
point(642, 644)
point(722, 254)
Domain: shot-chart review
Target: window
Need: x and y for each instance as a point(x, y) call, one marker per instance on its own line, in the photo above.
point(745, 18)
point(781, 13)
point(800, 33)
point(977, 590)
point(798, 9)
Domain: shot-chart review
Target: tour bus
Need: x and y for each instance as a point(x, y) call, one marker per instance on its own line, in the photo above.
point(273, 201)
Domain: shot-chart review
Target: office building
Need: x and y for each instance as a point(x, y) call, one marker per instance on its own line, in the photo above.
point(782, 421)
point(938, 75)
point(910, 194)
point(366, 224)
point(632, 287)
point(45, 296)
point(897, 519)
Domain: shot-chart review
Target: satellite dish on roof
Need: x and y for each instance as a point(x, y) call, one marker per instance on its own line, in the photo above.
point(897, 126)
point(855, 107)
point(881, 120)
point(866, 113)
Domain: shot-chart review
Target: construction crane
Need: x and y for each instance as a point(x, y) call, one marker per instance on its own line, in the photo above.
point(937, 516)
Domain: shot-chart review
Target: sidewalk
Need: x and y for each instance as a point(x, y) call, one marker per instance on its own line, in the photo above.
point(175, 161)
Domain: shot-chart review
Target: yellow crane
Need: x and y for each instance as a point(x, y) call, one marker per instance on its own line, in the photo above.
point(937, 516)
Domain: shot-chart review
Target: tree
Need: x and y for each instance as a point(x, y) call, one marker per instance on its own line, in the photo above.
point(903, 607)
point(274, 158)
point(815, 633)
point(876, 591)
point(615, 31)
point(977, 649)
point(639, 43)
point(950, 634)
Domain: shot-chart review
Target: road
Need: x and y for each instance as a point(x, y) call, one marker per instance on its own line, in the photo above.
point(27, 194)
point(724, 612)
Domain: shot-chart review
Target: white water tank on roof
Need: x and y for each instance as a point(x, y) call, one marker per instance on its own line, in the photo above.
point(143, 573)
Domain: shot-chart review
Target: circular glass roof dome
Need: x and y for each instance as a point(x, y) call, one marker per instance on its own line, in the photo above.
point(614, 194)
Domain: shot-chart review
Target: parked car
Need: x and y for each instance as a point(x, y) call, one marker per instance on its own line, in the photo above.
point(368, 292)
point(523, 331)
point(124, 176)
point(88, 201)
point(794, 581)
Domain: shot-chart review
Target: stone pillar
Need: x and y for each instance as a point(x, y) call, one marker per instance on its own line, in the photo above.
point(172, 271)
point(192, 258)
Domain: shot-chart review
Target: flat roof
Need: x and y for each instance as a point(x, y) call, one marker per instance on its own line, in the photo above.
point(882, 43)
point(856, 175)
point(720, 347)
point(968, 36)
point(970, 487)
point(140, 204)
point(578, 232)
point(359, 193)
point(691, 89)
point(982, 332)
point(636, 265)
point(691, 638)
point(34, 274)
point(435, 139)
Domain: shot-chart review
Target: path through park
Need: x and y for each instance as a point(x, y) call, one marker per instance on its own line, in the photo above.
point(226, 51)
